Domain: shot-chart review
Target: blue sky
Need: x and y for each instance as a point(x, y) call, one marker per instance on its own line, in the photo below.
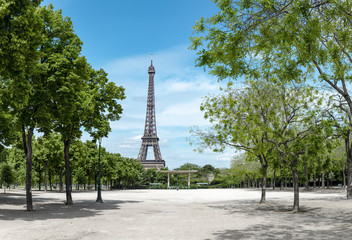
point(119, 37)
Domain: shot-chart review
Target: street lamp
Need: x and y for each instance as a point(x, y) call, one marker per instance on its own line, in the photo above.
point(99, 199)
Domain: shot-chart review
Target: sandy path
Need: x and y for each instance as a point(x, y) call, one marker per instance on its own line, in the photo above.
point(171, 214)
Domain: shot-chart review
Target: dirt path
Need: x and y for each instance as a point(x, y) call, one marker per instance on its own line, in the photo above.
point(171, 214)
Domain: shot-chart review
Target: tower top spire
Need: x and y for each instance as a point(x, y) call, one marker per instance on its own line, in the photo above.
point(151, 68)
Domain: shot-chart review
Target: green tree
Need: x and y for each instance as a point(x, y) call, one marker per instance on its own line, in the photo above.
point(284, 41)
point(21, 82)
point(80, 176)
point(242, 119)
point(7, 176)
point(81, 97)
point(297, 128)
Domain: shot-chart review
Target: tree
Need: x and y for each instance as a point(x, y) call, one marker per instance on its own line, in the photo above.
point(21, 74)
point(80, 95)
point(7, 176)
point(285, 40)
point(297, 129)
point(241, 119)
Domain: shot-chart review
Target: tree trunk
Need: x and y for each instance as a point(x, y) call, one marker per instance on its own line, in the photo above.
point(349, 176)
point(323, 179)
point(285, 182)
point(45, 176)
point(27, 144)
point(263, 198)
point(315, 180)
point(274, 183)
point(295, 189)
point(95, 182)
point(40, 178)
point(61, 185)
point(344, 178)
point(349, 165)
point(50, 181)
point(281, 182)
point(68, 176)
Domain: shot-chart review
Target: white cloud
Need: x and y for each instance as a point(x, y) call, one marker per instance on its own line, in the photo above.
point(183, 114)
point(199, 83)
point(128, 146)
point(226, 156)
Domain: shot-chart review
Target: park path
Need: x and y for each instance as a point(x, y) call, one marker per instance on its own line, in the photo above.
point(171, 214)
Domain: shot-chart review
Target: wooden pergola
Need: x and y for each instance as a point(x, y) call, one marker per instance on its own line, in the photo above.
point(189, 172)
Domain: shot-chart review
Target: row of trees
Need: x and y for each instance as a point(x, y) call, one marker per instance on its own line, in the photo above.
point(49, 165)
point(47, 86)
point(294, 57)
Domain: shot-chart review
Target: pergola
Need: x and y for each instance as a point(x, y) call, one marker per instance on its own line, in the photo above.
point(178, 172)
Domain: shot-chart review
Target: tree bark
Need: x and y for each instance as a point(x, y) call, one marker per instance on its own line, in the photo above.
point(274, 183)
point(45, 175)
point(295, 189)
point(344, 178)
point(95, 182)
point(349, 166)
point(315, 180)
point(50, 181)
point(27, 144)
point(264, 171)
point(61, 185)
point(323, 179)
point(263, 197)
point(68, 175)
point(285, 182)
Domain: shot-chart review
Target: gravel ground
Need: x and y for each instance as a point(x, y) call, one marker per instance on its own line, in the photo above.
point(171, 214)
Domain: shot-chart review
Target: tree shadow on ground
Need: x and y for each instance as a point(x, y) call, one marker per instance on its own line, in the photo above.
point(281, 223)
point(51, 208)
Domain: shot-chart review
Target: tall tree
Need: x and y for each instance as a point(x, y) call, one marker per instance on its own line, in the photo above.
point(286, 40)
point(242, 119)
point(297, 129)
point(22, 94)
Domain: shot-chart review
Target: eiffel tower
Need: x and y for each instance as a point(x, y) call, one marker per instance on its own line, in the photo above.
point(150, 137)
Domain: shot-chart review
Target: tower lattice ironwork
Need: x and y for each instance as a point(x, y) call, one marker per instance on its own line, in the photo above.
point(150, 137)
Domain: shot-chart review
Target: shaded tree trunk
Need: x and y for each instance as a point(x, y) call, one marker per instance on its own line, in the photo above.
point(61, 185)
point(264, 171)
point(315, 180)
point(263, 197)
point(50, 181)
point(344, 178)
point(68, 175)
point(95, 182)
point(295, 188)
point(45, 176)
point(274, 183)
point(323, 179)
point(349, 165)
point(27, 145)
point(285, 182)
